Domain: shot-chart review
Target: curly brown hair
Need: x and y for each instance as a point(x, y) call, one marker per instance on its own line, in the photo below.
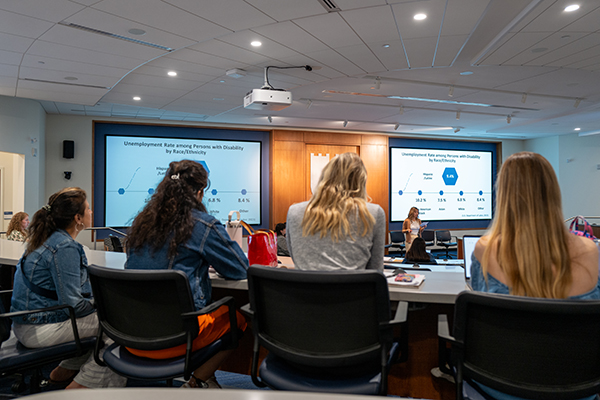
point(15, 223)
point(168, 214)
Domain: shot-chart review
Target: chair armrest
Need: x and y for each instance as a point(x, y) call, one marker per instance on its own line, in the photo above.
point(247, 311)
point(53, 308)
point(401, 313)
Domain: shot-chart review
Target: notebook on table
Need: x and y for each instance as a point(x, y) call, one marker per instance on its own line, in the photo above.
point(469, 242)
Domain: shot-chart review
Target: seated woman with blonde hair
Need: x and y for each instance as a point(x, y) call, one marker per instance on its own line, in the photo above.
point(528, 250)
point(338, 229)
point(17, 227)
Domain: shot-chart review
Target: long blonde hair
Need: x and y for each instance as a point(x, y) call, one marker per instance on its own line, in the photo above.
point(527, 234)
point(340, 194)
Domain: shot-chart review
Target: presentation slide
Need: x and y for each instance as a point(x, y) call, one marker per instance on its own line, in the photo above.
point(135, 165)
point(442, 184)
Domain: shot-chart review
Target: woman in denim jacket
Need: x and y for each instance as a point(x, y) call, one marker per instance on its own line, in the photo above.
point(175, 231)
point(53, 272)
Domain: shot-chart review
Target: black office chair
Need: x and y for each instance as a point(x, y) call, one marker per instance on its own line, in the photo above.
point(429, 237)
point(396, 240)
point(325, 331)
point(444, 238)
point(18, 360)
point(152, 310)
point(525, 347)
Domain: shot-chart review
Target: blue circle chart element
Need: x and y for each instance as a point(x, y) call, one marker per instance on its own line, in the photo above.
point(151, 191)
point(441, 192)
point(420, 192)
point(461, 193)
point(121, 191)
point(244, 191)
point(480, 192)
point(400, 192)
point(213, 192)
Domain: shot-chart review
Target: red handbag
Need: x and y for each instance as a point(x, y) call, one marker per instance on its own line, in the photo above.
point(262, 246)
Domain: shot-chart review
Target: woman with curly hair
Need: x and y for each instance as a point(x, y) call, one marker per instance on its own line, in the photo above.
point(17, 227)
point(175, 231)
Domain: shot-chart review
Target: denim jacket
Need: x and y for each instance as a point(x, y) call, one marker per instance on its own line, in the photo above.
point(58, 265)
point(209, 245)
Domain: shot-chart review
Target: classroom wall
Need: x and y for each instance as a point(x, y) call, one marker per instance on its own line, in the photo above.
point(23, 131)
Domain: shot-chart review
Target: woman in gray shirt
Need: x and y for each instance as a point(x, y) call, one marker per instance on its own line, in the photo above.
point(337, 229)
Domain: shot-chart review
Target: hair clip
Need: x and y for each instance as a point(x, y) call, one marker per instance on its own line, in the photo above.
point(47, 207)
point(175, 177)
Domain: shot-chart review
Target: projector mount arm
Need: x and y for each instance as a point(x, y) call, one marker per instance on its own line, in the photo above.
point(268, 86)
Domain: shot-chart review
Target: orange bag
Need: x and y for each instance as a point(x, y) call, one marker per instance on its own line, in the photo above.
point(262, 246)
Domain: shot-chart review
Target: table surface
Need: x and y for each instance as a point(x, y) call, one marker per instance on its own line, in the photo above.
point(176, 393)
point(442, 284)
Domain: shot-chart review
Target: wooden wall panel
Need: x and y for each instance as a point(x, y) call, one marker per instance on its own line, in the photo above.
point(375, 158)
point(288, 178)
point(332, 138)
point(288, 136)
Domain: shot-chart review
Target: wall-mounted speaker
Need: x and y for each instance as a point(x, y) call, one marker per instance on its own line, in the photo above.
point(68, 149)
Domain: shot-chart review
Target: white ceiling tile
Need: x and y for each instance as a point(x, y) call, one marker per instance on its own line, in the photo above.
point(351, 4)
point(102, 44)
point(226, 50)
point(72, 67)
point(98, 114)
point(336, 61)
point(291, 35)
point(34, 92)
point(232, 14)
point(164, 16)
point(420, 51)
point(554, 18)
point(392, 57)
point(106, 22)
point(164, 82)
point(11, 71)
point(330, 29)
point(14, 43)
point(10, 57)
point(283, 10)
point(269, 48)
point(182, 75)
point(71, 53)
point(586, 46)
point(171, 63)
point(461, 17)
point(147, 92)
point(429, 27)
point(448, 48)
point(100, 107)
point(59, 77)
point(47, 10)
point(363, 57)
point(584, 62)
point(22, 25)
point(362, 22)
point(49, 107)
point(512, 48)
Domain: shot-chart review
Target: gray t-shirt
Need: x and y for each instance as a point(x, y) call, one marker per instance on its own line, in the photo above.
point(314, 253)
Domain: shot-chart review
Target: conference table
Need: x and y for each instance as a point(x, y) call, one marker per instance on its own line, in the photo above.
point(441, 286)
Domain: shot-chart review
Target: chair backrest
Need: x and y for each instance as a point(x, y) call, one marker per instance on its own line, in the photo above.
point(427, 235)
point(443, 235)
point(142, 309)
point(528, 347)
point(321, 319)
point(397, 237)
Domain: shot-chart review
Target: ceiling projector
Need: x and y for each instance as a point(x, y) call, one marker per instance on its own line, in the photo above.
point(267, 99)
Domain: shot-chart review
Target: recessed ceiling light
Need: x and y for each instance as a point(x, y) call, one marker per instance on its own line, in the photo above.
point(539, 50)
point(218, 99)
point(256, 43)
point(41, 62)
point(71, 78)
point(172, 73)
point(222, 81)
point(137, 98)
point(466, 73)
point(137, 32)
point(577, 129)
point(565, 37)
point(386, 46)
point(420, 17)
point(572, 7)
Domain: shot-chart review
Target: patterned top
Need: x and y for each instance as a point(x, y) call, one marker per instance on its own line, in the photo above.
point(16, 236)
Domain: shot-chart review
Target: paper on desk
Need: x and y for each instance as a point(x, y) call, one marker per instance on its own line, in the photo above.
point(392, 259)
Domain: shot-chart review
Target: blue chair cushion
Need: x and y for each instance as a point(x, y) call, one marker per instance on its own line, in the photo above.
point(280, 375)
point(124, 363)
point(15, 356)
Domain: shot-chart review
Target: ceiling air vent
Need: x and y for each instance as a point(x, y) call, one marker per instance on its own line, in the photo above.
point(329, 5)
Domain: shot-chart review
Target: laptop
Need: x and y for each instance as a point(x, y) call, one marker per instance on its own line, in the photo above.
point(468, 248)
